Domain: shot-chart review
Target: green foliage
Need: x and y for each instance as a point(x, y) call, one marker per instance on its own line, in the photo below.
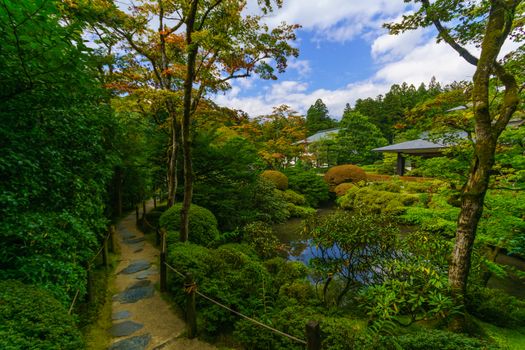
point(344, 173)
point(226, 274)
point(356, 139)
point(434, 339)
point(293, 197)
point(30, 318)
point(279, 180)
point(203, 224)
point(352, 250)
point(226, 178)
point(366, 198)
point(297, 211)
point(309, 184)
point(261, 238)
point(57, 151)
point(496, 307)
point(266, 204)
point(317, 118)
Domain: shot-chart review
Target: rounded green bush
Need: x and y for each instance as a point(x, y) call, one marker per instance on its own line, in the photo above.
point(30, 318)
point(203, 224)
point(277, 178)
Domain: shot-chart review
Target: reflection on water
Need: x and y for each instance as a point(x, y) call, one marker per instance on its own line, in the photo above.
point(291, 233)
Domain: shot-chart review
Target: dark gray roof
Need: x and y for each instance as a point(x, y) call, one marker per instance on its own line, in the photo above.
point(323, 134)
point(423, 145)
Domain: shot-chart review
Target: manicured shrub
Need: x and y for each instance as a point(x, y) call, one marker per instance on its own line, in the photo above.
point(297, 211)
point(376, 201)
point(293, 197)
point(277, 178)
point(30, 318)
point(308, 183)
point(341, 189)
point(344, 173)
point(203, 224)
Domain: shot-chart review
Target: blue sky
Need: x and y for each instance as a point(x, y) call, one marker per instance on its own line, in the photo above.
point(345, 54)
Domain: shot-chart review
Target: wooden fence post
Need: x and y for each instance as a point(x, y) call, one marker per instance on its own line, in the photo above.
point(112, 239)
point(143, 209)
point(313, 335)
point(105, 253)
point(137, 214)
point(155, 201)
point(90, 297)
point(157, 236)
point(163, 271)
point(191, 312)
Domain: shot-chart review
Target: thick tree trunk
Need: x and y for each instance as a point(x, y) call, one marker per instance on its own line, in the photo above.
point(472, 199)
point(186, 123)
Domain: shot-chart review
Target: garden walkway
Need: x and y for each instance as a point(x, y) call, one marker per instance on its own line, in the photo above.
point(142, 320)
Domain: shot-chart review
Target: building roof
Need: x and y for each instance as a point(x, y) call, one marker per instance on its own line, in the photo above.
point(423, 145)
point(323, 134)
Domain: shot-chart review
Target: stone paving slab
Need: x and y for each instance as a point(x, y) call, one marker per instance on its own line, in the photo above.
point(121, 315)
point(136, 266)
point(139, 342)
point(141, 290)
point(125, 328)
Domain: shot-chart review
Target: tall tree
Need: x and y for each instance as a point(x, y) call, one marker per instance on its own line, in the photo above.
point(317, 118)
point(356, 139)
point(198, 47)
point(487, 24)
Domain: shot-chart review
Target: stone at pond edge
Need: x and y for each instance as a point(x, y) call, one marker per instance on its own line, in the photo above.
point(120, 315)
point(125, 328)
point(136, 266)
point(134, 343)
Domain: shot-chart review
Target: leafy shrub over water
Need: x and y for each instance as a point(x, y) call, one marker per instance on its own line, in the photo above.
point(30, 318)
point(341, 189)
point(277, 178)
point(203, 224)
point(376, 201)
point(344, 173)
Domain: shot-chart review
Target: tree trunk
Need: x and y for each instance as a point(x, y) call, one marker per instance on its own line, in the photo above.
point(173, 151)
point(472, 199)
point(186, 123)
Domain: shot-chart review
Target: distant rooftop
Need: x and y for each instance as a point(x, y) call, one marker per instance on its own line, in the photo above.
point(323, 134)
point(422, 145)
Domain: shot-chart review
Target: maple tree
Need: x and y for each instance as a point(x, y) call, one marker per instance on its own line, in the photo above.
point(198, 47)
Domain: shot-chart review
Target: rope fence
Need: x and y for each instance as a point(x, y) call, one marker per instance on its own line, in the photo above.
point(237, 312)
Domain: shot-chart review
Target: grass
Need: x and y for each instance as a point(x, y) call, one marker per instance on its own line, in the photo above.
point(97, 317)
point(506, 338)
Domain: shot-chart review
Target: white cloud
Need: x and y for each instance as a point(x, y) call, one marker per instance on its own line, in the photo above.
point(335, 20)
point(301, 66)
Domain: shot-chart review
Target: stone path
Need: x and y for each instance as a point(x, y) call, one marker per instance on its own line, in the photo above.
point(142, 320)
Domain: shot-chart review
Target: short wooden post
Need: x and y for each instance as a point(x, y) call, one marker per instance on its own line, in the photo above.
point(112, 239)
point(163, 271)
point(137, 214)
point(313, 335)
point(155, 201)
point(90, 297)
point(157, 236)
point(143, 209)
point(190, 287)
point(105, 254)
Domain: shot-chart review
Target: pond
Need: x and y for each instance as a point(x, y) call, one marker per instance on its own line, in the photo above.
point(290, 233)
